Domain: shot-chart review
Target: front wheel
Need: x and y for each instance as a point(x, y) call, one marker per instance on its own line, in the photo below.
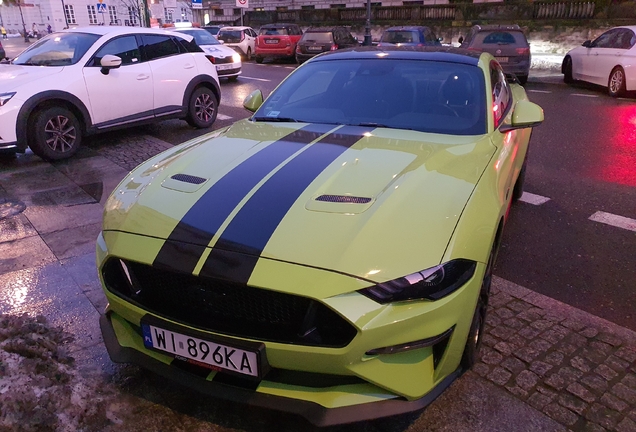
point(523, 79)
point(258, 59)
point(567, 71)
point(57, 134)
point(517, 192)
point(248, 56)
point(202, 108)
point(616, 82)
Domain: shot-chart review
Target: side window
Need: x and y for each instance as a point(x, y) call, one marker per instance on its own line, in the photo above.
point(157, 46)
point(123, 47)
point(606, 40)
point(624, 39)
point(500, 93)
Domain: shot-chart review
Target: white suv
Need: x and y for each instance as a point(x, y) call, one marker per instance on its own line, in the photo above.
point(86, 80)
point(241, 38)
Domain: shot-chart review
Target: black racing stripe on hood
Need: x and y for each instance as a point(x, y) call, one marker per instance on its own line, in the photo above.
point(252, 227)
point(196, 229)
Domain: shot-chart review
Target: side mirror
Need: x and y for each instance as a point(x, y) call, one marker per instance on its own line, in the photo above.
point(109, 62)
point(526, 114)
point(587, 44)
point(253, 101)
point(461, 39)
point(439, 39)
point(221, 41)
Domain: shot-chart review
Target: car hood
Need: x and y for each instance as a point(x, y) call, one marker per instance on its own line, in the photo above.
point(13, 76)
point(371, 203)
point(218, 50)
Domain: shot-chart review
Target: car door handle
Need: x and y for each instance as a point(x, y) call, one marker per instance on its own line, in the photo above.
point(142, 77)
point(188, 66)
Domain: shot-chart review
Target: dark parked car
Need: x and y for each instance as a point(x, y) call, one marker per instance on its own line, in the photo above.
point(409, 36)
point(322, 39)
point(507, 43)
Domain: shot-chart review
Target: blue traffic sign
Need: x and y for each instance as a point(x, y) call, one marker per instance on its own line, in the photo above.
point(101, 7)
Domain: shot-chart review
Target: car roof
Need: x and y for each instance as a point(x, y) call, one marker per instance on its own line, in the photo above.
point(278, 25)
point(498, 27)
point(430, 53)
point(321, 29)
point(234, 28)
point(399, 28)
point(114, 30)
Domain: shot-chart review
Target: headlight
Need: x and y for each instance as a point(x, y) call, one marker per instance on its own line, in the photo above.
point(236, 58)
point(6, 97)
point(432, 284)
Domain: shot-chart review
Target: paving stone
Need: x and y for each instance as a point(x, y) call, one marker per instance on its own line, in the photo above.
point(490, 356)
point(546, 391)
point(517, 391)
point(556, 381)
point(530, 315)
point(493, 320)
point(489, 340)
point(527, 380)
point(592, 427)
point(540, 345)
point(573, 324)
point(566, 348)
point(514, 323)
point(554, 334)
point(499, 300)
point(502, 332)
point(540, 368)
point(527, 353)
point(541, 324)
point(560, 414)
point(619, 365)
point(593, 355)
point(504, 313)
point(595, 382)
point(504, 348)
point(611, 401)
point(627, 353)
point(626, 425)
point(625, 393)
point(481, 369)
point(513, 364)
point(602, 415)
point(589, 332)
point(572, 403)
point(499, 375)
point(576, 340)
point(529, 332)
point(539, 400)
point(519, 306)
point(630, 381)
point(580, 364)
point(517, 340)
point(632, 414)
point(554, 358)
point(601, 346)
point(578, 390)
point(606, 372)
point(555, 318)
point(610, 339)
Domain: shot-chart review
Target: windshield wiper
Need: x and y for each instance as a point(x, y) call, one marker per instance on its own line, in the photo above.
point(276, 119)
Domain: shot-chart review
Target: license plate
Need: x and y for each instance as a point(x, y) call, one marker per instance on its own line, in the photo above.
point(314, 48)
point(502, 59)
point(215, 356)
point(271, 41)
point(224, 66)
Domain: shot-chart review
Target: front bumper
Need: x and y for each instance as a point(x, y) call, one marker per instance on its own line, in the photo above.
point(229, 72)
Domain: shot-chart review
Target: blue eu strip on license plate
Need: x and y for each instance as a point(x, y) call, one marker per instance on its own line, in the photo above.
point(217, 356)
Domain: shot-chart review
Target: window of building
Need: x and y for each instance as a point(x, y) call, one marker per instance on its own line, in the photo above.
point(112, 14)
point(407, 3)
point(338, 6)
point(132, 16)
point(218, 12)
point(70, 14)
point(184, 14)
point(92, 14)
point(237, 11)
point(308, 7)
point(168, 15)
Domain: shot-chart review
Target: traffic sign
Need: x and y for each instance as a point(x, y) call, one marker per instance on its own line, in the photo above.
point(242, 4)
point(101, 7)
point(197, 4)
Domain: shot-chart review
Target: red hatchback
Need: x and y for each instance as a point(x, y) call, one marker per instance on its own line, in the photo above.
point(277, 41)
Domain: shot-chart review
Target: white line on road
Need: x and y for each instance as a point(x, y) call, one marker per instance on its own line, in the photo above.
point(533, 199)
point(539, 91)
point(257, 79)
point(584, 95)
point(614, 220)
point(223, 117)
point(289, 67)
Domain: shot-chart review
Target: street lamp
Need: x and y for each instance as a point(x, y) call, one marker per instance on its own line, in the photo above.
point(367, 27)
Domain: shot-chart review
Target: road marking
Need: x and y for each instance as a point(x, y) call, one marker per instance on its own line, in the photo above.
point(539, 91)
point(614, 220)
point(584, 95)
point(533, 199)
point(252, 78)
point(223, 117)
point(289, 67)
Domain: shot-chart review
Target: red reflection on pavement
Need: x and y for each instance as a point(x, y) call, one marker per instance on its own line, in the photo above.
point(619, 161)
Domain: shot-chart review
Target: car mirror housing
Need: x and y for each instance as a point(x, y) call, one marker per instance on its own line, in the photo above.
point(253, 101)
point(109, 62)
point(525, 114)
point(587, 44)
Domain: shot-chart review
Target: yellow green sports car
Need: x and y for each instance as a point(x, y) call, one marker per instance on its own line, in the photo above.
point(331, 255)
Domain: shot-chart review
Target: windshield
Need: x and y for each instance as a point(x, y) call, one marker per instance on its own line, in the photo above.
point(231, 36)
point(273, 32)
point(322, 37)
point(427, 96)
point(201, 37)
point(396, 37)
point(59, 49)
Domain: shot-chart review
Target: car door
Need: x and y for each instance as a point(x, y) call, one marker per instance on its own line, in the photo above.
point(123, 94)
point(172, 70)
point(589, 68)
point(612, 55)
point(251, 35)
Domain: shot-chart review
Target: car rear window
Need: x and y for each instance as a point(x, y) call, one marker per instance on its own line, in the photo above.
point(201, 37)
point(230, 36)
point(396, 37)
point(501, 37)
point(319, 37)
point(426, 96)
point(273, 32)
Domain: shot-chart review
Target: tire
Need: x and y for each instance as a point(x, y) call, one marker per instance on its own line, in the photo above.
point(57, 134)
point(202, 108)
point(616, 82)
point(232, 78)
point(567, 70)
point(523, 79)
point(248, 56)
point(475, 335)
point(258, 59)
point(518, 189)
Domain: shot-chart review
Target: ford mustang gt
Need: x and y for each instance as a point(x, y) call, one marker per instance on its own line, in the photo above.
point(332, 254)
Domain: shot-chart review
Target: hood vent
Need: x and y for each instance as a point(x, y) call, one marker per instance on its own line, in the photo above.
point(188, 178)
point(346, 199)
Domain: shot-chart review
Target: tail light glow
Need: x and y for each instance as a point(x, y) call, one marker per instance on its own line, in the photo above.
point(211, 59)
point(523, 51)
point(334, 47)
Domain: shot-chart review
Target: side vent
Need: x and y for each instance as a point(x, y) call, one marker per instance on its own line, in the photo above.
point(346, 199)
point(188, 178)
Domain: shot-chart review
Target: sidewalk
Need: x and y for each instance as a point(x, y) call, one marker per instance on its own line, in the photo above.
point(545, 366)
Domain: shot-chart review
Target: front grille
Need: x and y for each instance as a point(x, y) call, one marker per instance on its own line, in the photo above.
point(223, 60)
point(226, 307)
point(228, 71)
point(343, 199)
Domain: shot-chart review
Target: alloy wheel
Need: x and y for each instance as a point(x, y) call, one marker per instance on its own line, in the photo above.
point(60, 134)
point(204, 107)
point(616, 81)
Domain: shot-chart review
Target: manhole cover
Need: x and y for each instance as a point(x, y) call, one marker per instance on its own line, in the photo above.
point(10, 208)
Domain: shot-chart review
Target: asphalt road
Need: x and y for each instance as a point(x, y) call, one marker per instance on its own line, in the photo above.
point(583, 158)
